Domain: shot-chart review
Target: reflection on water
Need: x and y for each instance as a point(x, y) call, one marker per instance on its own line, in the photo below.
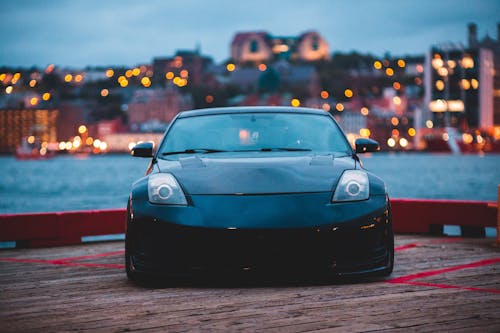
point(66, 183)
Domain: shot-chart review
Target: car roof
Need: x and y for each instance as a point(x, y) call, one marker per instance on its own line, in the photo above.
point(250, 109)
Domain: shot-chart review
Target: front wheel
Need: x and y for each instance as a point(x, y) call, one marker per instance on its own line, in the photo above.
point(390, 244)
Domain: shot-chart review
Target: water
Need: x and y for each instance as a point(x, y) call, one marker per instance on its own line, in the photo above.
point(66, 183)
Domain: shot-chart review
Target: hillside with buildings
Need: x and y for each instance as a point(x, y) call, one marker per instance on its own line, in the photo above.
point(404, 102)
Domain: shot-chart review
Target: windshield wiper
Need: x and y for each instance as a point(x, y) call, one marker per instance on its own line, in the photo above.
point(274, 149)
point(285, 149)
point(194, 151)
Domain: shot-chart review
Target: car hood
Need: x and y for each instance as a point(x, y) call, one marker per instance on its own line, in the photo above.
point(210, 175)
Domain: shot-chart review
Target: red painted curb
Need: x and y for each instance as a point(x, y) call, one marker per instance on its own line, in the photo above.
point(61, 228)
point(417, 216)
point(67, 228)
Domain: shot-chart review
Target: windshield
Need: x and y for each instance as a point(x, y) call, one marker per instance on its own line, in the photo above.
point(254, 132)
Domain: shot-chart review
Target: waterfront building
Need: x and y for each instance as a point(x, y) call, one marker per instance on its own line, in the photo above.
point(282, 76)
point(261, 47)
point(151, 110)
point(461, 85)
point(185, 65)
point(18, 124)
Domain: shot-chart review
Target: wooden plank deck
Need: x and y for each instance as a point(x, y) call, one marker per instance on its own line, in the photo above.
point(439, 284)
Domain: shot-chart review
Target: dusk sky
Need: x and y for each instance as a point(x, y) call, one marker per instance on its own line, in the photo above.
point(100, 33)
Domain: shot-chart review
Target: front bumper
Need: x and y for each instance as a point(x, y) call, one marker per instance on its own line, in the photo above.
point(346, 238)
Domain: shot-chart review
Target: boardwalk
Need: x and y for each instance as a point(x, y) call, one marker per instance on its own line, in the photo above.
point(439, 284)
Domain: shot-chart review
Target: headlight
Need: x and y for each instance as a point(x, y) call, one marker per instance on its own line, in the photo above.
point(164, 189)
point(353, 186)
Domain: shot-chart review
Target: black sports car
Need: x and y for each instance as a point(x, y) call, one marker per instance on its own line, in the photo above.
point(266, 189)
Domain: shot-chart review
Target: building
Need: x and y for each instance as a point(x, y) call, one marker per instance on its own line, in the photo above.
point(461, 84)
point(261, 47)
point(282, 76)
point(17, 124)
point(151, 110)
point(185, 64)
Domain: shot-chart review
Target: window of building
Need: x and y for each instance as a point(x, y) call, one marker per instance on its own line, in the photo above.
point(315, 43)
point(254, 46)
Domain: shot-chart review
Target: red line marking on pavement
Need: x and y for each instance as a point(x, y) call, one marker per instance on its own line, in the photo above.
point(92, 256)
point(444, 270)
point(62, 263)
point(406, 247)
point(449, 286)
point(408, 279)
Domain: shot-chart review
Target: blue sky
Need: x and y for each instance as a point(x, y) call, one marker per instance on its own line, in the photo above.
point(99, 33)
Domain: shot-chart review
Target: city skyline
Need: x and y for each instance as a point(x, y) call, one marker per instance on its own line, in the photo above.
point(81, 33)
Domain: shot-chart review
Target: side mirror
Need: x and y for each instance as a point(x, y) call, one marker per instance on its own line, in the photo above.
point(143, 149)
point(364, 145)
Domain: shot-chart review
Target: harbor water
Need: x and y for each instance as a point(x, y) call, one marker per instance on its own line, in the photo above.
point(69, 183)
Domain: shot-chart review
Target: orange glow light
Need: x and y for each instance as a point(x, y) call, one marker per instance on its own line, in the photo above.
point(365, 111)
point(324, 94)
point(396, 85)
point(49, 68)
point(230, 67)
point(295, 102)
point(146, 82)
point(401, 63)
point(364, 132)
point(32, 83)
point(104, 92)
point(394, 121)
point(46, 96)
point(68, 77)
point(262, 67)
point(169, 75)
point(110, 73)
point(209, 99)
point(467, 138)
point(34, 101)
point(389, 71)
point(124, 83)
point(184, 73)
point(78, 78)
point(465, 84)
point(348, 93)
point(339, 107)
point(82, 129)
point(440, 85)
point(377, 65)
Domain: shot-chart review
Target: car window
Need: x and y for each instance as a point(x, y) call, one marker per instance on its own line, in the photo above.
point(255, 131)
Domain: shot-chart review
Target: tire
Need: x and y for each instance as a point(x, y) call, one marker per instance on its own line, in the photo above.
point(390, 245)
point(131, 274)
